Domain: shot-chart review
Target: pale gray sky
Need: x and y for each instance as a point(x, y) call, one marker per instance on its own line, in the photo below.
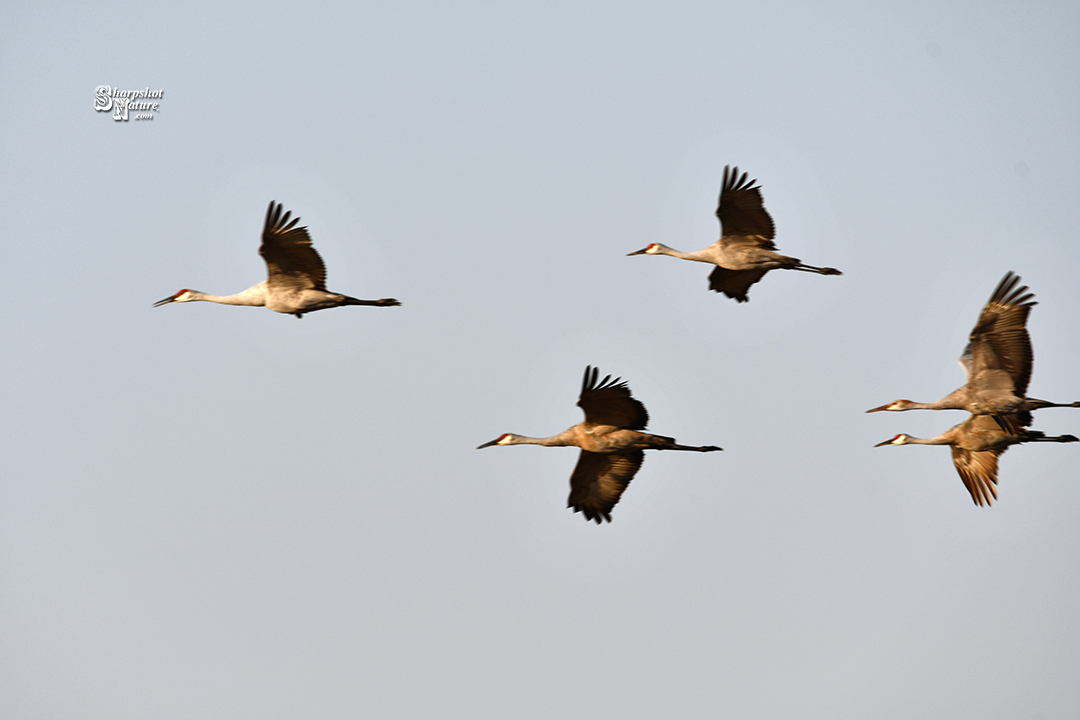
point(217, 512)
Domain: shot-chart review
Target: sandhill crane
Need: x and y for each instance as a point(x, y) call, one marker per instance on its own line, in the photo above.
point(745, 250)
point(612, 446)
point(976, 444)
point(997, 362)
point(296, 282)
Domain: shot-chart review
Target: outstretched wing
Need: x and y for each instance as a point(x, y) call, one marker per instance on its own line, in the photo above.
point(743, 218)
point(608, 402)
point(999, 342)
point(291, 261)
point(598, 481)
point(734, 283)
point(978, 469)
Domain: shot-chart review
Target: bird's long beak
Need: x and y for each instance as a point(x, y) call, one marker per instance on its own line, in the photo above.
point(166, 301)
point(638, 252)
point(877, 409)
point(489, 444)
point(887, 442)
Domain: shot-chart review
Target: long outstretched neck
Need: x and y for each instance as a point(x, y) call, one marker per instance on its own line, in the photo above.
point(942, 404)
point(953, 401)
point(254, 296)
point(697, 255)
point(939, 440)
point(563, 439)
point(945, 438)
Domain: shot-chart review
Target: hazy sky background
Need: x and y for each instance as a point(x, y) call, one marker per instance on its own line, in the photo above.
point(219, 512)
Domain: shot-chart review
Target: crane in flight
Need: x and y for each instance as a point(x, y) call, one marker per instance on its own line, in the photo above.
point(997, 362)
point(745, 250)
point(612, 444)
point(976, 444)
point(296, 275)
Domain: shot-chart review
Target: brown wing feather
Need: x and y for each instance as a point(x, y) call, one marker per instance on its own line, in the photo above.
point(608, 402)
point(978, 470)
point(743, 218)
point(290, 258)
point(734, 283)
point(1000, 338)
point(598, 481)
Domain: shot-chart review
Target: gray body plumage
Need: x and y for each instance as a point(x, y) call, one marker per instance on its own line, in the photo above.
point(612, 444)
point(976, 444)
point(745, 250)
point(997, 363)
point(296, 275)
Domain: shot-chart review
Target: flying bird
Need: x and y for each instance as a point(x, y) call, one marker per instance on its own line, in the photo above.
point(997, 362)
point(745, 250)
point(296, 281)
point(612, 444)
point(976, 444)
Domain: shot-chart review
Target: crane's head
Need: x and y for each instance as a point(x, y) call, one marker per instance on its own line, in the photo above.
point(504, 439)
point(182, 296)
point(895, 405)
point(900, 439)
point(650, 249)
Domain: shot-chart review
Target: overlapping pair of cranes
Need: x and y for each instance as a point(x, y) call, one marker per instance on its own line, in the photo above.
point(612, 440)
point(997, 362)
